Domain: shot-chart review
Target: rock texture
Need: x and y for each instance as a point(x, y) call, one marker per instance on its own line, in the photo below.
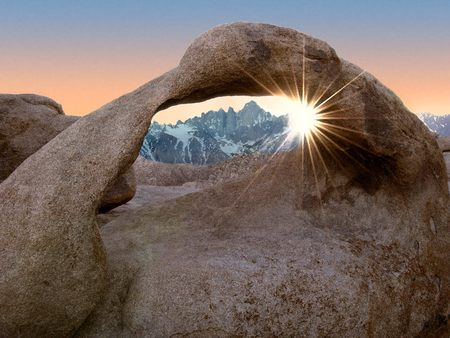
point(119, 192)
point(447, 162)
point(444, 143)
point(351, 242)
point(163, 174)
point(146, 195)
point(29, 121)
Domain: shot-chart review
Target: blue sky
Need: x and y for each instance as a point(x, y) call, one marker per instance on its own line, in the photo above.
point(404, 43)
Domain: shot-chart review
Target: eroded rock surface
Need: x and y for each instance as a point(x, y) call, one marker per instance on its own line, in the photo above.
point(146, 195)
point(444, 143)
point(29, 121)
point(447, 162)
point(347, 237)
point(165, 174)
point(120, 192)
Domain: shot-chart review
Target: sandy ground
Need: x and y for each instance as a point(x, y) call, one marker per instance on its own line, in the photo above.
point(147, 194)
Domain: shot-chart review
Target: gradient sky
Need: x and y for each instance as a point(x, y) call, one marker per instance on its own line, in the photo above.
point(85, 53)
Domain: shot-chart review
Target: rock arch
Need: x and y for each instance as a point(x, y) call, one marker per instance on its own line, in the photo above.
point(53, 264)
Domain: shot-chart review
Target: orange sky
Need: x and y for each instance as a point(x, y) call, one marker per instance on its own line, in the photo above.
point(83, 84)
point(84, 54)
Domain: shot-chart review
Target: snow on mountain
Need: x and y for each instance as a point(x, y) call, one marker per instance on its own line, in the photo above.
point(218, 135)
point(439, 124)
point(214, 136)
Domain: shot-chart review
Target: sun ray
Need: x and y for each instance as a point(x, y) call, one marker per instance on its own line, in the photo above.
point(259, 171)
point(311, 112)
point(341, 89)
point(321, 158)
point(339, 110)
point(286, 82)
point(329, 105)
point(322, 138)
point(262, 85)
point(316, 98)
point(352, 143)
point(341, 136)
point(311, 156)
point(294, 77)
point(280, 90)
point(338, 147)
point(350, 130)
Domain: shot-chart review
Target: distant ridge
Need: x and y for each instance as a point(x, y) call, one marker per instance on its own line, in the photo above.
point(440, 124)
point(214, 136)
point(218, 135)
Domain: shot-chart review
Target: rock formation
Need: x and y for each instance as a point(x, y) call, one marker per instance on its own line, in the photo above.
point(27, 122)
point(163, 174)
point(348, 237)
point(444, 143)
point(119, 192)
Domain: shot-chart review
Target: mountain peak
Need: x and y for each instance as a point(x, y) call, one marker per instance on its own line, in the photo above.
point(213, 136)
point(217, 135)
point(440, 124)
point(251, 104)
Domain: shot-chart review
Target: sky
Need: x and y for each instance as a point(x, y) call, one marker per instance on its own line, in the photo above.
point(84, 54)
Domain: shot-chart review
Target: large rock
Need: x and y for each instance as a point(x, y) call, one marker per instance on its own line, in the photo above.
point(347, 237)
point(119, 192)
point(173, 174)
point(167, 174)
point(444, 143)
point(27, 122)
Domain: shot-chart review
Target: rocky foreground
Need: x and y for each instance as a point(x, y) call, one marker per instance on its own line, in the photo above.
point(347, 237)
point(155, 200)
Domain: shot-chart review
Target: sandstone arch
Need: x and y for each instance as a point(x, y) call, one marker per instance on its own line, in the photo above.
point(48, 235)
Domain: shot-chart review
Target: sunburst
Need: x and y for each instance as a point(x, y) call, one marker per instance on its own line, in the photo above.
point(302, 118)
point(312, 122)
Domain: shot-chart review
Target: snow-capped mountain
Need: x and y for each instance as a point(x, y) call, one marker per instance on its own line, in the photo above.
point(218, 135)
point(439, 124)
point(215, 136)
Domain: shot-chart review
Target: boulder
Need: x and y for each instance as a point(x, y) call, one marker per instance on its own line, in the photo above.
point(444, 143)
point(167, 174)
point(175, 174)
point(120, 192)
point(347, 236)
point(29, 121)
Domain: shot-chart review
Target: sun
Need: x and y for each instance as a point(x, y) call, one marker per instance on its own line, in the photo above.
point(302, 117)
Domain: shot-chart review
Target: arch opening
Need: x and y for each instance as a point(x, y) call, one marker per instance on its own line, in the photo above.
point(220, 128)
